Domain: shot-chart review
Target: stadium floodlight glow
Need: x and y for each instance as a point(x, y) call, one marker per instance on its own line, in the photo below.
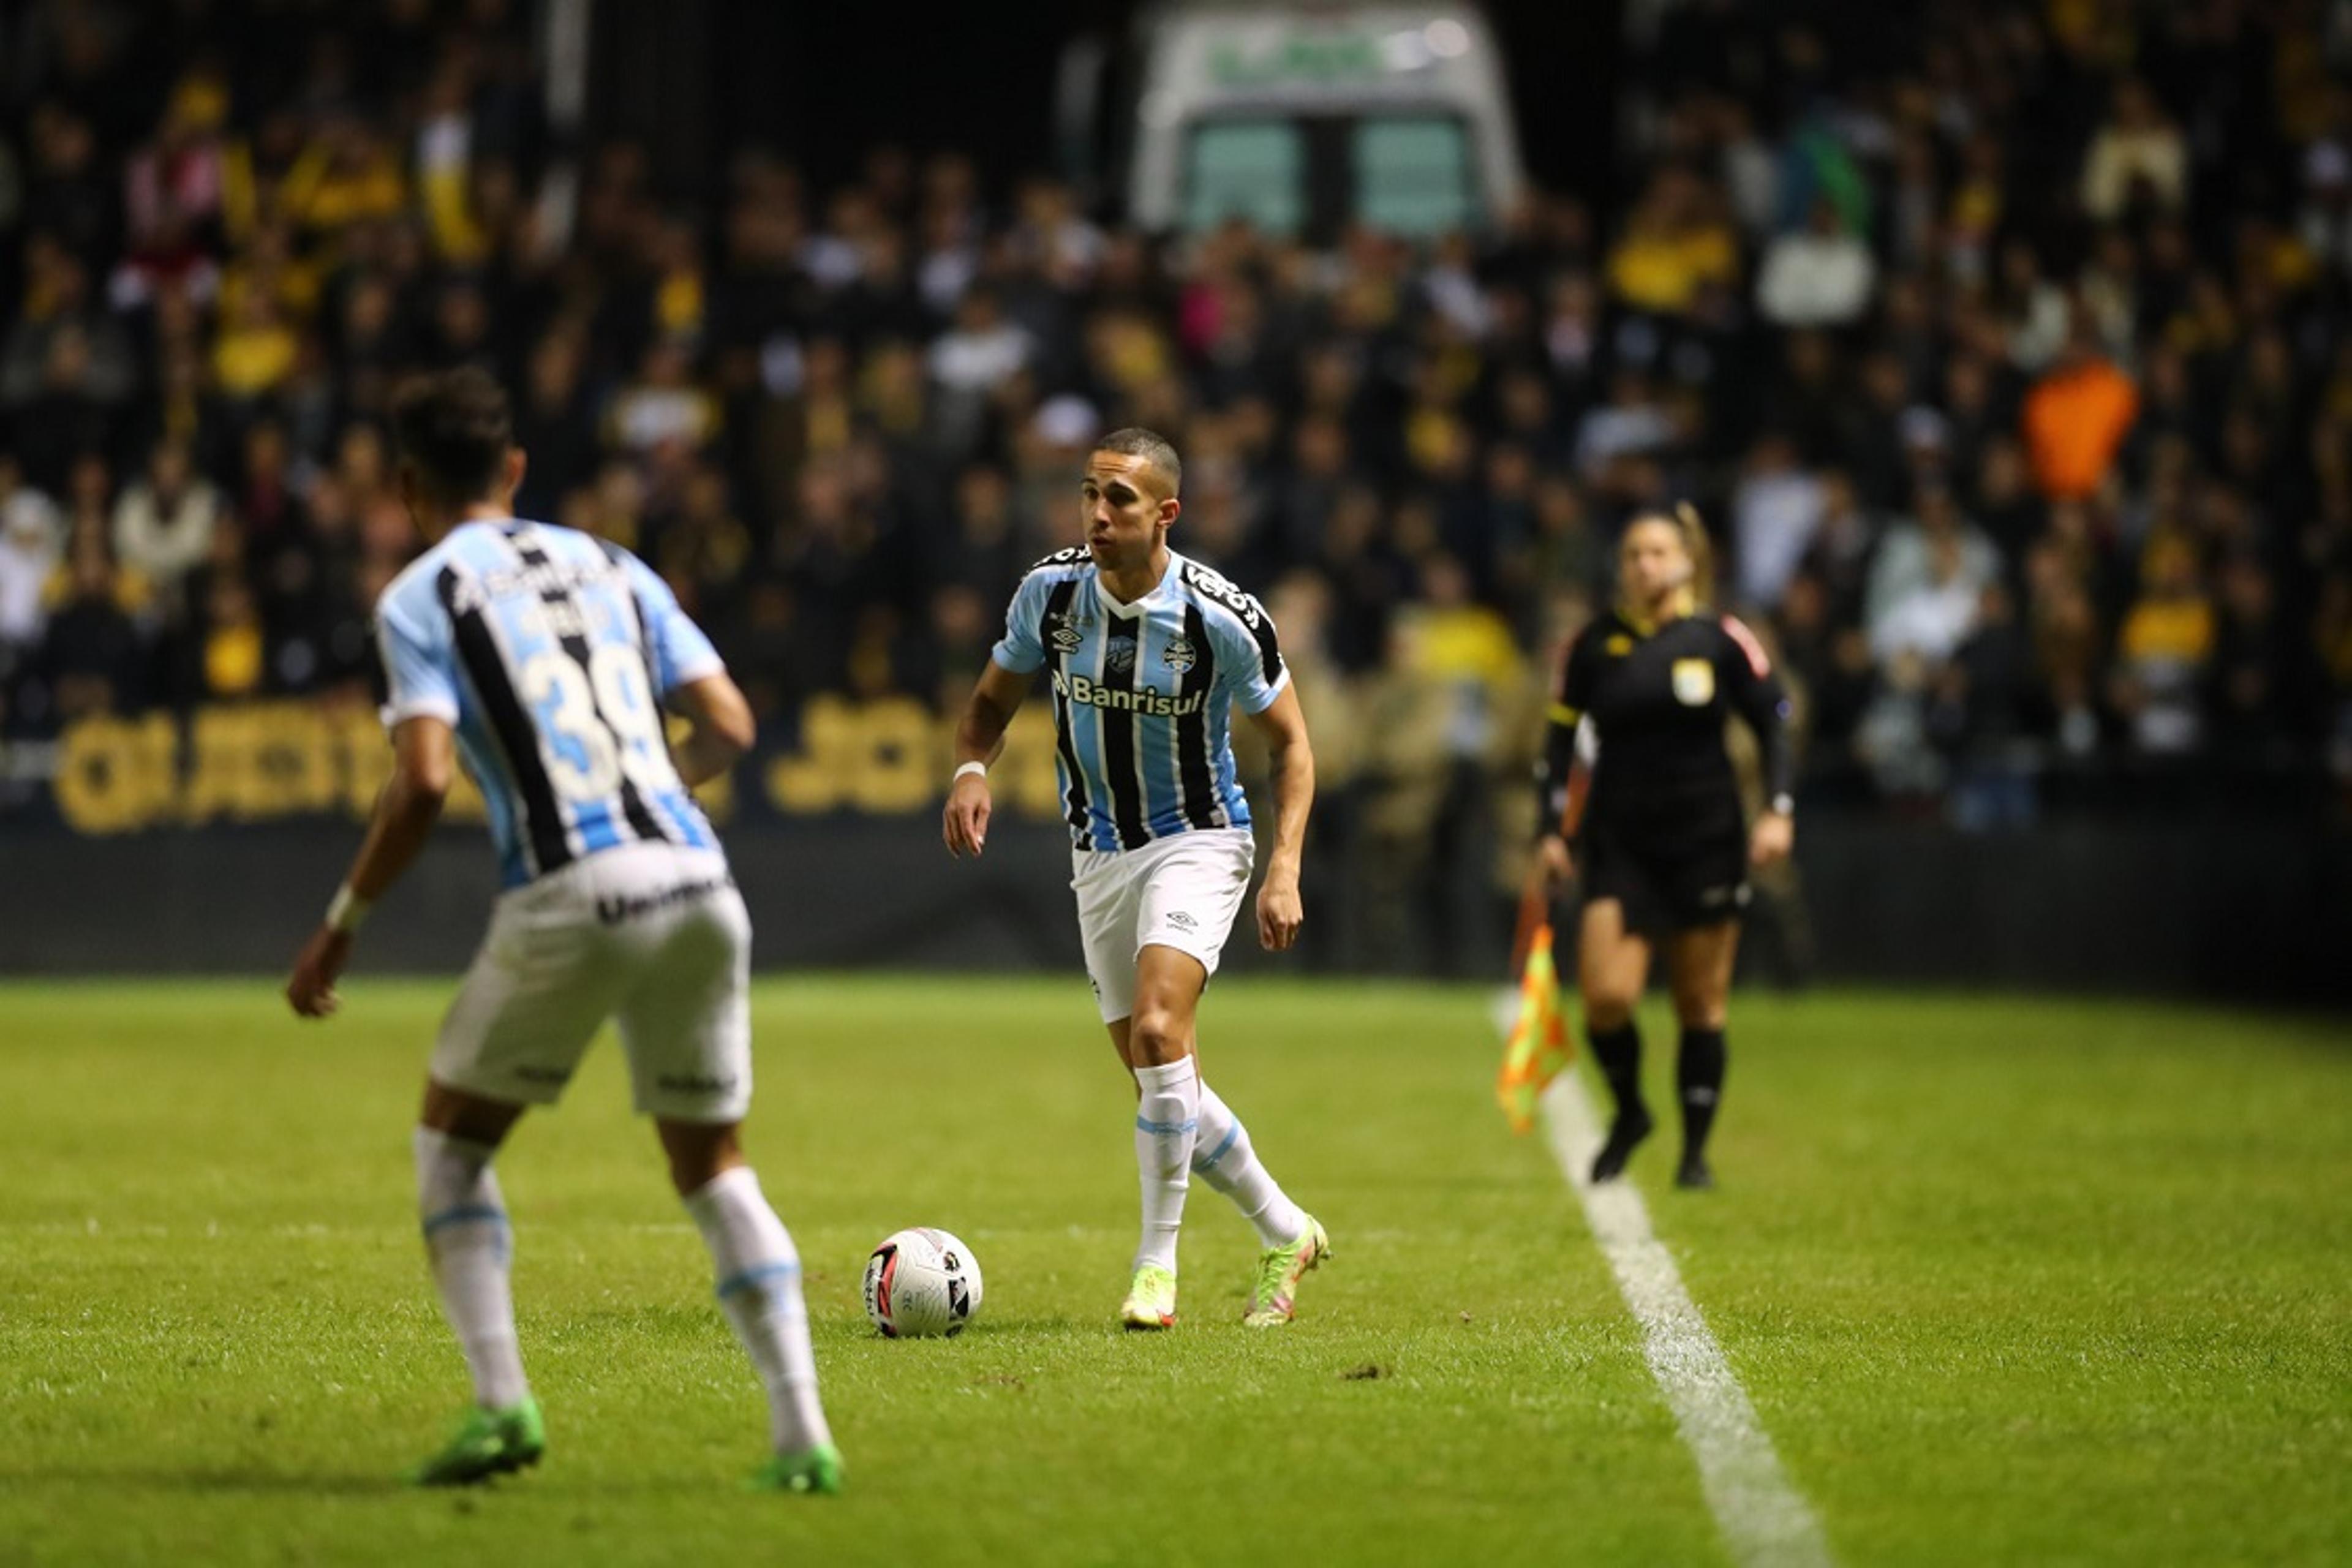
point(1406, 51)
point(1447, 38)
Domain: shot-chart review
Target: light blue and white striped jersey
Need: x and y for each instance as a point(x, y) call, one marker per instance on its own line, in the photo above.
point(550, 652)
point(1142, 694)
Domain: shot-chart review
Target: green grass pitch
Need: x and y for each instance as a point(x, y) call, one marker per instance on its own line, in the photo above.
point(2008, 1281)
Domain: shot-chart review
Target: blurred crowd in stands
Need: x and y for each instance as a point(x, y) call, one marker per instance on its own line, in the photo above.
point(2007, 348)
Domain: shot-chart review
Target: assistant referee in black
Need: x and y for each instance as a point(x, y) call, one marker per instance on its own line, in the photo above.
point(1662, 847)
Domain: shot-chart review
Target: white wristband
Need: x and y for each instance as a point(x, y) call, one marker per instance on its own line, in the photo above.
point(346, 910)
point(980, 768)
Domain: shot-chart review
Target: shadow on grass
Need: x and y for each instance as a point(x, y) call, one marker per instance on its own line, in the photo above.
point(577, 1489)
point(257, 1483)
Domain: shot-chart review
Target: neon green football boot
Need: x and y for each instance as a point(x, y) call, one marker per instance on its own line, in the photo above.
point(487, 1443)
point(1279, 1270)
point(814, 1472)
point(1151, 1300)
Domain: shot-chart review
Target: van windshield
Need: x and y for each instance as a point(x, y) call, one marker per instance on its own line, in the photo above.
point(1309, 176)
point(1412, 176)
point(1255, 170)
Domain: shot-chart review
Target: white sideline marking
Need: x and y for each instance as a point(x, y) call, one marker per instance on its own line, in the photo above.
point(1764, 1521)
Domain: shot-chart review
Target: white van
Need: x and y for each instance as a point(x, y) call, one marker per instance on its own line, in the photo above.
point(1300, 118)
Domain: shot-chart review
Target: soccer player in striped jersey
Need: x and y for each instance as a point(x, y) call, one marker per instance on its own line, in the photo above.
point(1147, 653)
point(544, 657)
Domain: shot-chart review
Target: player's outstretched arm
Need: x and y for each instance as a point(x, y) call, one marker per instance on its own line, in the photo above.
point(980, 738)
point(424, 764)
point(723, 728)
point(1279, 911)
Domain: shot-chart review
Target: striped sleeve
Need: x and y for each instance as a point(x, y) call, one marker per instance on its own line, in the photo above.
point(1250, 667)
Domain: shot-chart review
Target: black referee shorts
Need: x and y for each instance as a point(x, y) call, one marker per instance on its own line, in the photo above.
point(1669, 877)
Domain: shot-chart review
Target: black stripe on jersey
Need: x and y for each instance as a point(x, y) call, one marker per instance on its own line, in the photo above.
point(1197, 779)
point(1057, 610)
point(543, 837)
point(1119, 735)
point(642, 821)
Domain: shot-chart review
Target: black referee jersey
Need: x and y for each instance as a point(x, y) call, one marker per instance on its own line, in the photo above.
point(1657, 696)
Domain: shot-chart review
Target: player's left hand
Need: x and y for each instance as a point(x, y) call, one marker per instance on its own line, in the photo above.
point(1279, 913)
point(1770, 844)
point(964, 822)
point(312, 988)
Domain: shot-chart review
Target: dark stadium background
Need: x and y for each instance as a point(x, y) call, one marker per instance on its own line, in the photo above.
point(2230, 875)
point(980, 77)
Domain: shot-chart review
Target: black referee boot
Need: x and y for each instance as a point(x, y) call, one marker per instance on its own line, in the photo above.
point(1626, 1135)
point(1618, 1052)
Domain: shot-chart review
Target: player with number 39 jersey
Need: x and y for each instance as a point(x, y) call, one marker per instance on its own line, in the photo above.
point(545, 659)
point(550, 652)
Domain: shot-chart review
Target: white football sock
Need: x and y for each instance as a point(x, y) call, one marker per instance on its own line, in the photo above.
point(1226, 1162)
point(1167, 1120)
point(470, 1244)
point(759, 1290)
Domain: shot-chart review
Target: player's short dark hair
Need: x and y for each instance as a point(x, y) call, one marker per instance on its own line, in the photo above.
point(1150, 446)
point(455, 429)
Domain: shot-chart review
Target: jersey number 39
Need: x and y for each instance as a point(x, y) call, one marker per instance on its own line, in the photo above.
point(602, 726)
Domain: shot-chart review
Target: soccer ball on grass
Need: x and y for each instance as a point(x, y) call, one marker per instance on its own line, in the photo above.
point(921, 1282)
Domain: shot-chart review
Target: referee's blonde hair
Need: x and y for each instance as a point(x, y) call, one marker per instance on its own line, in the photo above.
point(1691, 529)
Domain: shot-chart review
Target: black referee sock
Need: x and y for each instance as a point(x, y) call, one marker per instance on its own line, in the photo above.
point(1618, 1052)
point(1698, 1076)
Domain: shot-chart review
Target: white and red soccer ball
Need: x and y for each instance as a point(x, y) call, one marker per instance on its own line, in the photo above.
point(921, 1283)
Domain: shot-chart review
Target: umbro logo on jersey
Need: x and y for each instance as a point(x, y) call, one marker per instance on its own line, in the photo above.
point(1066, 630)
point(1181, 656)
point(1181, 921)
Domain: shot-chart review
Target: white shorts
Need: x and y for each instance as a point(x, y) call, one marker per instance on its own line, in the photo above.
point(1181, 892)
point(650, 933)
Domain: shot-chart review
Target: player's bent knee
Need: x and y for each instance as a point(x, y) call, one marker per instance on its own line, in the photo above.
point(699, 1152)
point(1158, 1035)
point(1701, 1003)
point(468, 1117)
